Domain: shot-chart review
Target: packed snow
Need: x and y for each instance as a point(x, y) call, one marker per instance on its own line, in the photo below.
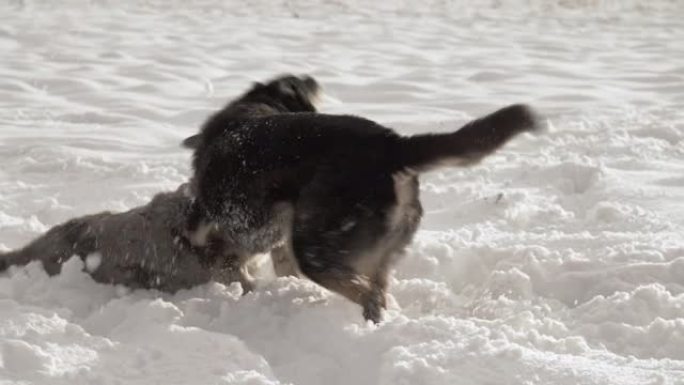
point(560, 260)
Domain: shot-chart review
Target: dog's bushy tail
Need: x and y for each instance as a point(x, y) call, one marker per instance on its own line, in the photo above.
point(470, 144)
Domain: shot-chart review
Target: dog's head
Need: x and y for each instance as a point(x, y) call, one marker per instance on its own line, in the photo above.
point(285, 93)
point(293, 93)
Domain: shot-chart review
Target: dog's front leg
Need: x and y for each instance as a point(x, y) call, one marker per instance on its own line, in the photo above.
point(284, 263)
point(231, 268)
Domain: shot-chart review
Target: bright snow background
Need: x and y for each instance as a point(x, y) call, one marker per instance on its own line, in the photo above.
point(558, 261)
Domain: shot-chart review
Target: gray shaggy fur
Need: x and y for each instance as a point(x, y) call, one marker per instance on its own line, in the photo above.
point(139, 248)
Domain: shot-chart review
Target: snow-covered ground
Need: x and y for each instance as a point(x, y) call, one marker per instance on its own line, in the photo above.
point(558, 261)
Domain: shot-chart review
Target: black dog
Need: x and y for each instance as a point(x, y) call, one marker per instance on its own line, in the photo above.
point(339, 192)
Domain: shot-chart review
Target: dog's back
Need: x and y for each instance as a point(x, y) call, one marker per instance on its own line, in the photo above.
point(248, 164)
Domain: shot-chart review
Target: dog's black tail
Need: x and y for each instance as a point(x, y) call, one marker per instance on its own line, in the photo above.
point(470, 144)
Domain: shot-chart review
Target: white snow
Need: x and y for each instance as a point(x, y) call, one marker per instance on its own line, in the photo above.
point(559, 260)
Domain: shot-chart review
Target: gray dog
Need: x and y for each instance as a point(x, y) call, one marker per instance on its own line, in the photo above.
point(139, 248)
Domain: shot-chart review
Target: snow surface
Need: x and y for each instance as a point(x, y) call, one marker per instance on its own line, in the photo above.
point(558, 261)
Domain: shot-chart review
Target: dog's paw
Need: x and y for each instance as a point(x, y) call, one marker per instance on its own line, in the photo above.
point(247, 286)
point(372, 311)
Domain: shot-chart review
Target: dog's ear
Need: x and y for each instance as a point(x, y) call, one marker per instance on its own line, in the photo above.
point(192, 142)
point(286, 89)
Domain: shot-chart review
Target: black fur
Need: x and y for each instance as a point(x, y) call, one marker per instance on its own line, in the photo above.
point(286, 93)
point(340, 191)
point(471, 143)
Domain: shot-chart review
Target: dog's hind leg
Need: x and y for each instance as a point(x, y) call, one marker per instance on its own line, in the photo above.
point(361, 275)
point(333, 267)
point(339, 235)
point(345, 281)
